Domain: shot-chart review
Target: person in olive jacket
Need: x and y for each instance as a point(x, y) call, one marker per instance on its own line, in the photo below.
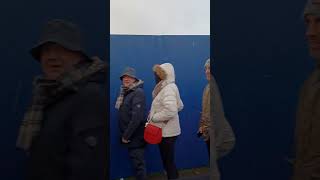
point(306, 165)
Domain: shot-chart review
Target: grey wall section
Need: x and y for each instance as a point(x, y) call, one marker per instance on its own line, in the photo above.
point(21, 23)
point(188, 55)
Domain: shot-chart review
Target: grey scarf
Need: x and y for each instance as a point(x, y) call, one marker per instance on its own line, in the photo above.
point(123, 90)
point(46, 92)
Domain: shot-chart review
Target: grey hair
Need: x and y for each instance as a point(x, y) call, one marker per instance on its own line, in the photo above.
point(207, 64)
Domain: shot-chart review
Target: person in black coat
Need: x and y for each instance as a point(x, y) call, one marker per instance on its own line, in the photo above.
point(131, 105)
point(64, 131)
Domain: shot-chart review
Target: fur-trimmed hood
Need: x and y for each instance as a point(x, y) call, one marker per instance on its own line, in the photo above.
point(165, 72)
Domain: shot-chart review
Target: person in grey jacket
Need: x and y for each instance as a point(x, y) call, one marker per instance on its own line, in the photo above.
point(131, 105)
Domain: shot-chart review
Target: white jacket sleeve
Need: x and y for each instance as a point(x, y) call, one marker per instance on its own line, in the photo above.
point(169, 107)
point(180, 104)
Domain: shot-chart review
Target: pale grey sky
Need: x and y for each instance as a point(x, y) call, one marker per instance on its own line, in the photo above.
point(160, 17)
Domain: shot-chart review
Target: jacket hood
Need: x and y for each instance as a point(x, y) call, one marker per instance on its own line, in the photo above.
point(165, 72)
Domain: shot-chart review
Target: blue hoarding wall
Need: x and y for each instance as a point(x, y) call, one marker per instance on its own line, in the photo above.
point(188, 55)
point(261, 62)
point(259, 73)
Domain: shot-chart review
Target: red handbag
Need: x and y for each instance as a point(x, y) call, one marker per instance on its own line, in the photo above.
point(152, 134)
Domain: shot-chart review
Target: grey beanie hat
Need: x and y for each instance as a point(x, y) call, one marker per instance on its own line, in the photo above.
point(60, 32)
point(129, 71)
point(312, 8)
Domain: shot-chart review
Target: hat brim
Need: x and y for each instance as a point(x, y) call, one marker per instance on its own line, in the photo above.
point(36, 50)
point(121, 77)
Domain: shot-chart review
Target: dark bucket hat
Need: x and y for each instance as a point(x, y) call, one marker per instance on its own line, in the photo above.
point(61, 32)
point(129, 71)
point(312, 7)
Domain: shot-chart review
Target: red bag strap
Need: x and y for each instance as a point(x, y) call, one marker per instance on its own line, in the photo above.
point(149, 121)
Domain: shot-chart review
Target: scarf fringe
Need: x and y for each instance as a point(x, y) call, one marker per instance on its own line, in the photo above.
point(120, 98)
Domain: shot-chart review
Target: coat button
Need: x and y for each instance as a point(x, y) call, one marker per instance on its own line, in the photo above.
point(91, 141)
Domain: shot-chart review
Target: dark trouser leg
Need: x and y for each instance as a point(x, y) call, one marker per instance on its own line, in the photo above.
point(215, 175)
point(137, 159)
point(167, 151)
point(208, 147)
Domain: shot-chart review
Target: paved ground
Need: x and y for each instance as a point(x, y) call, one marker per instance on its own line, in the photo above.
point(186, 174)
point(197, 177)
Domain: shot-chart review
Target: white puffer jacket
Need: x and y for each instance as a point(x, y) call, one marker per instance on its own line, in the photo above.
point(167, 104)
